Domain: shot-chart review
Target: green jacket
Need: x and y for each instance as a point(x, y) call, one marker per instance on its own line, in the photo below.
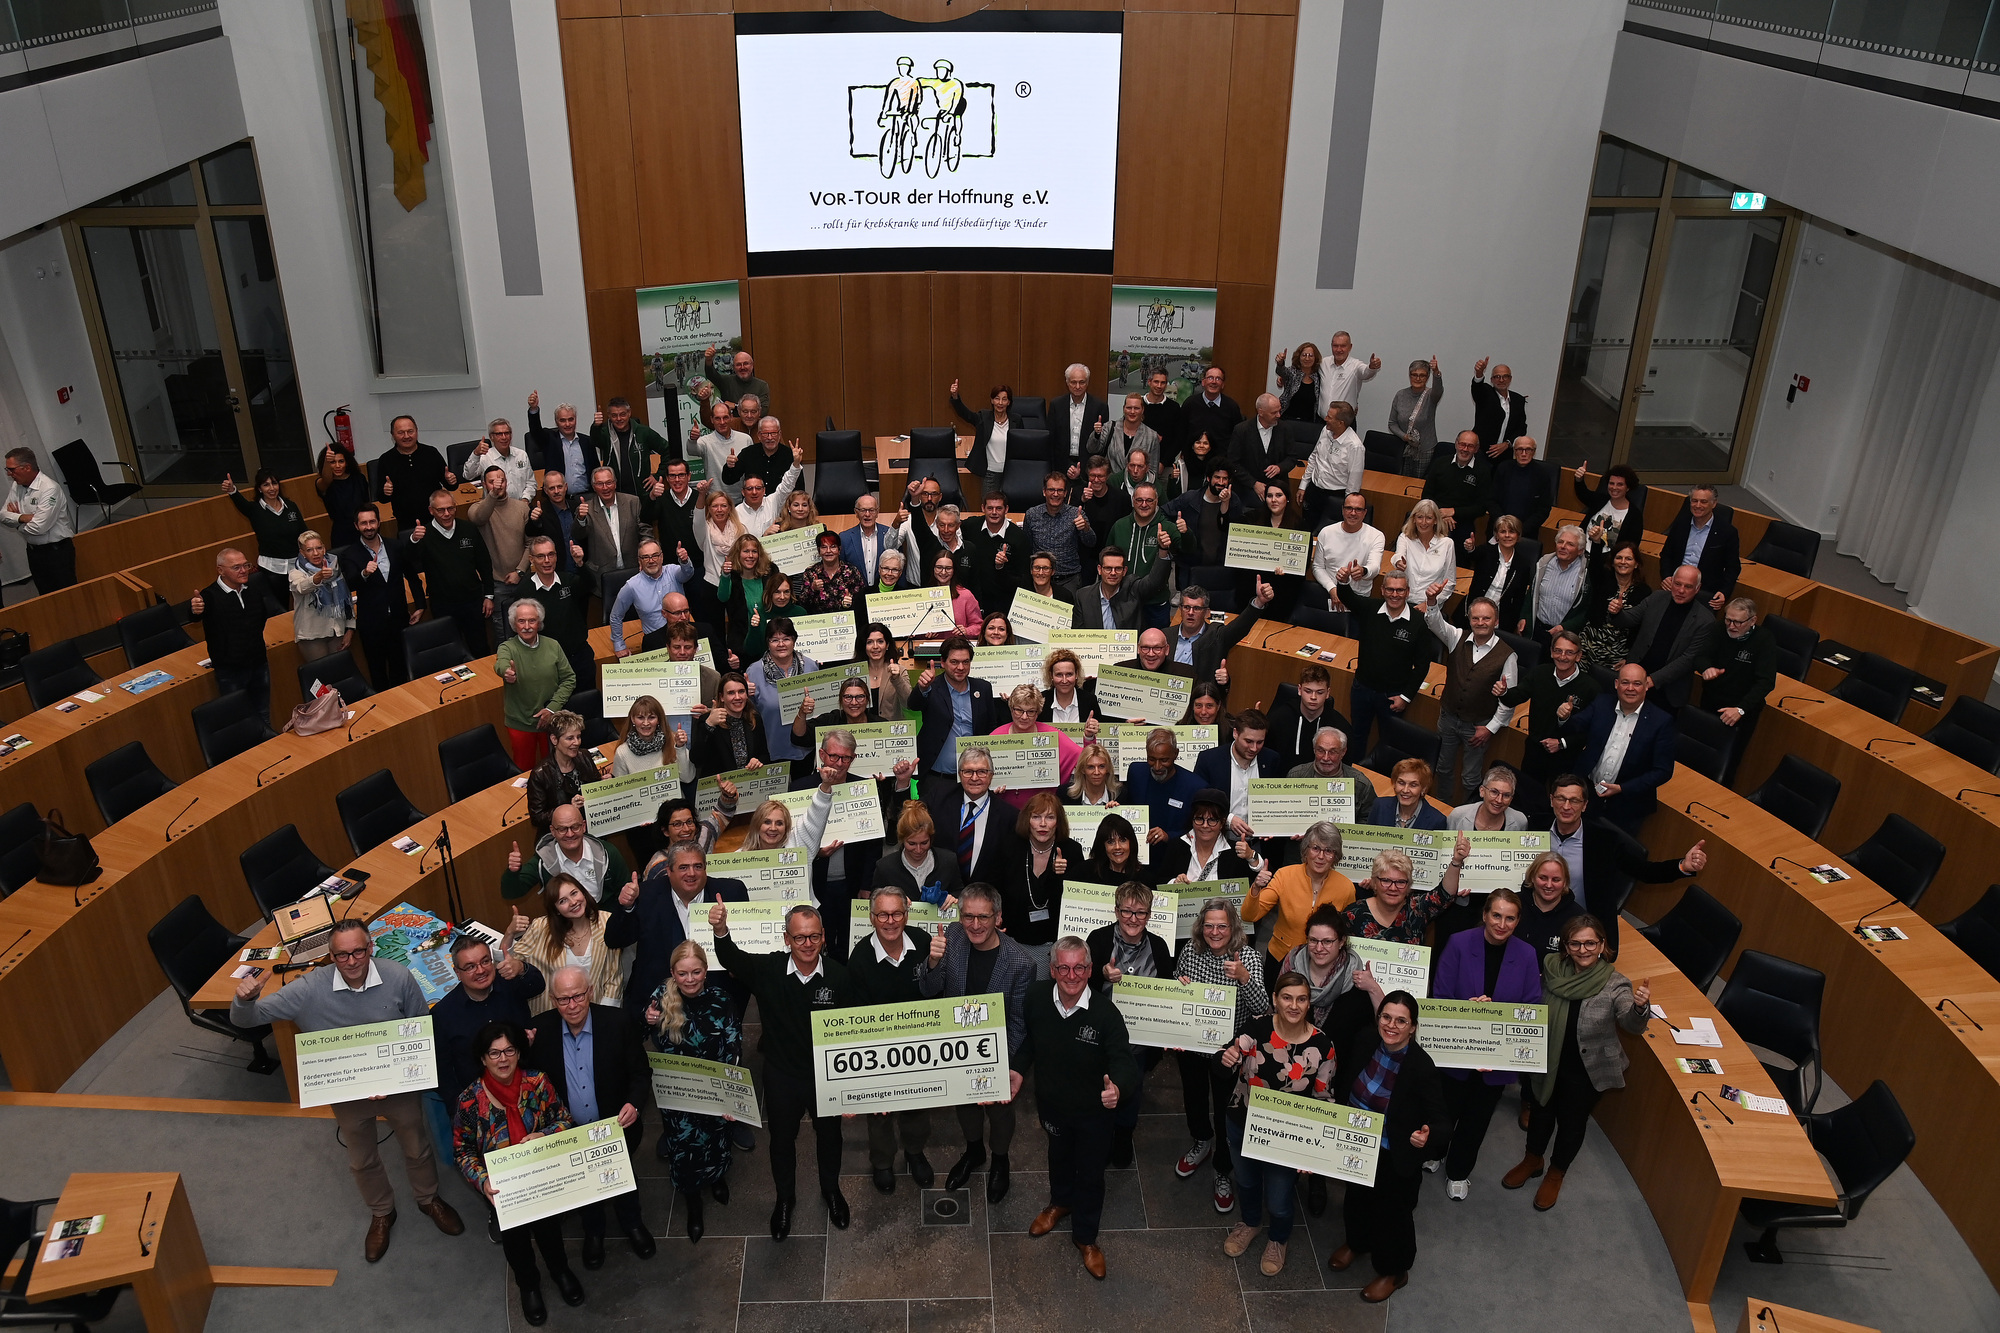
point(634, 459)
point(1141, 544)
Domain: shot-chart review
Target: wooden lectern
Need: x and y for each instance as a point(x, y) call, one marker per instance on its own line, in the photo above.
point(149, 1242)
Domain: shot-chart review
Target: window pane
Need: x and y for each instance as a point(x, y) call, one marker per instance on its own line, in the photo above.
point(175, 189)
point(1690, 184)
point(1942, 27)
point(263, 344)
point(1791, 16)
point(51, 20)
point(1597, 349)
point(1626, 172)
point(230, 176)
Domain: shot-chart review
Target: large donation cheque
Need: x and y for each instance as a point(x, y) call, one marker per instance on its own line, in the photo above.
point(559, 1172)
point(1325, 1138)
point(705, 1087)
point(1160, 1011)
point(901, 1057)
point(370, 1060)
point(1475, 1034)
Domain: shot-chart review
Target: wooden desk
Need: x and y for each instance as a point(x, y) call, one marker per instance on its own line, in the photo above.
point(895, 480)
point(1963, 663)
point(1884, 771)
point(1690, 1163)
point(110, 547)
point(1784, 1319)
point(1881, 1018)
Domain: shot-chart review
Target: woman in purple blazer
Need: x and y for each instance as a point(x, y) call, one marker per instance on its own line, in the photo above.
point(1484, 964)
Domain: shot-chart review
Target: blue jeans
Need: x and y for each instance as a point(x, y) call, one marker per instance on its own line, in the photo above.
point(1256, 1181)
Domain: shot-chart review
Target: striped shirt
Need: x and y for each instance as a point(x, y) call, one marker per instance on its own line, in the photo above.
point(1377, 1080)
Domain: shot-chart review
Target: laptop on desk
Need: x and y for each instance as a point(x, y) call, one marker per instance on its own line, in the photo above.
point(305, 927)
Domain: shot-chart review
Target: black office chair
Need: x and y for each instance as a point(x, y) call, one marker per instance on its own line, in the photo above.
point(1382, 452)
point(1774, 1003)
point(1029, 410)
point(1219, 581)
point(125, 780)
point(339, 671)
point(1878, 685)
point(1970, 729)
point(374, 810)
point(1796, 645)
point(1528, 550)
point(20, 863)
point(589, 705)
point(190, 946)
point(609, 584)
point(473, 761)
point(1788, 547)
point(1527, 653)
point(840, 472)
point(17, 1230)
point(456, 455)
point(1402, 739)
point(281, 869)
point(55, 672)
point(1976, 932)
point(1901, 857)
point(1696, 936)
point(1800, 794)
point(86, 484)
point(1026, 467)
point(1864, 1141)
point(151, 634)
point(226, 727)
point(434, 644)
point(944, 471)
point(1703, 742)
point(1608, 897)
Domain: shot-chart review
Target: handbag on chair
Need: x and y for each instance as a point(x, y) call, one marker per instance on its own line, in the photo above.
point(66, 858)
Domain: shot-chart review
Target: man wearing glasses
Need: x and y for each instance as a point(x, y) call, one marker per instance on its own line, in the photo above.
point(790, 987)
point(1086, 1071)
point(1738, 672)
point(883, 970)
point(973, 957)
point(487, 992)
point(358, 989)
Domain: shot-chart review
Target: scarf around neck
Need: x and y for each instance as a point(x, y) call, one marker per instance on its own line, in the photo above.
point(329, 598)
point(1564, 986)
point(507, 1096)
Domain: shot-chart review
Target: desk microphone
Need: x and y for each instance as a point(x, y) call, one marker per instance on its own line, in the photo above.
point(510, 809)
point(1975, 791)
point(1947, 1000)
point(1788, 861)
point(1696, 1099)
point(1706, 806)
point(357, 720)
point(296, 967)
point(17, 940)
point(1883, 740)
point(1802, 698)
point(450, 685)
point(1765, 1315)
point(268, 767)
point(144, 1248)
point(1893, 902)
point(177, 818)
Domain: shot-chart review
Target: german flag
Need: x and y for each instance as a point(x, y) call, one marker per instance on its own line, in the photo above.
point(389, 32)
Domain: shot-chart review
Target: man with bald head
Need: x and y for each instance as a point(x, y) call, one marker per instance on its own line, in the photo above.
point(1155, 654)
point(1499, 415)
point(767, 459)
point(232, 611)
point(1523, 487)
point(1670, 627)
point(1627, 744)
point(1461, 483)
point(1259, 451)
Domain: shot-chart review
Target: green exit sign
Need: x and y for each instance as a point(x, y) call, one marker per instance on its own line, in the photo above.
point(1744, 201)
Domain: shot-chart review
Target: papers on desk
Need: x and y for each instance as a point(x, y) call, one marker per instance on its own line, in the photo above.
point(456, 673)
point(1699, 1032)
point(1882, 934)
point(12, 743)
point(1698, 1065)
point(407, 845)
point(66, 1238)
point(263, 955)
point(92, 696)
point(68, 706)
point(1828, 874)
point(152, 680)
point(1750, 1101)
point(519, 782)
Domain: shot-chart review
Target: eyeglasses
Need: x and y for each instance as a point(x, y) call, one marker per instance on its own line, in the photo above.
point(472, 967)
point(1390, 1021)
point(1206, 819)
point(1322, 944)
point(1586, 946)
point(889, 916)
point(502, 1053)
point(582, 998)
point(1071, 968)
point(975, 772)
point(348, 955)
point(1136, 913)
point(968, 917)
point(807, 939)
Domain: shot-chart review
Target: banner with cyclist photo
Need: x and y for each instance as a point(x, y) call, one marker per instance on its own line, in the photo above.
point(677, 326)
point(1159, 328)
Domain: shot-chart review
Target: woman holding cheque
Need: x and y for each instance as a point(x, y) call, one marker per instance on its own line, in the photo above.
point(1282, 1051)
point(1488, 964)
point(690, 1017)
point(504, 1107)
point(1296, 892)
point(1024, 702)
point(1220, 953)
point(1031, 899)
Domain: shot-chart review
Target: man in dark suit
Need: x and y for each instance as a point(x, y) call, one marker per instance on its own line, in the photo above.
point(1555, 691)
point(1165, 788)
point(1600, 854)
point(999, 550)
point(1524, 487)
point(1628, 749)
point(1670, 630)
point(973, 826)
point(232, 611)
point(1163, 413)
point(1701, 537)
point(652, 919)
point(593, 1056)
point(1202, 646)
point(953, 703)
point(1259, 450)
point(376, 568)
point(1462, 486)
point(1072, 416)
point(1124, 600)
point(552, 514)
point(610, 522)
point(1498, 413)
point(1201, 517)
point(862, 545)
point(1211, 412)
point(1230, 767)
point(561, 448)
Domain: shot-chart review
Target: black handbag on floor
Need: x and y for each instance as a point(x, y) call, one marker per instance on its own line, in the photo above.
point(67, 858)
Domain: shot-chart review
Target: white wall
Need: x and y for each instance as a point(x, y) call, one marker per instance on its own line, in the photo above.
point(1958, 589)
point(42, 324)
point(1481, 148)
point(518, 343)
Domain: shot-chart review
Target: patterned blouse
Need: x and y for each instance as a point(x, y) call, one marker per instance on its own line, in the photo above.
point(479, 1125)
point(1304, 1069)
point(1411, 922)
point(1206, 968)
point(822, 593)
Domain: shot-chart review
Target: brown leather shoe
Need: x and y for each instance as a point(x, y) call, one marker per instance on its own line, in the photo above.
point(1530, 1167)
point(1093, 1260)
point(1551, 1190)
point(1341, 1259)
point(1382, 1288)
point(1045, 1221)
point(440, 1212)
point(1524, 1119)
point(377, 1243)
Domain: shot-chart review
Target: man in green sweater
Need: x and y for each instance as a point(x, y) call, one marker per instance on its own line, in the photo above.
point(1395, 650)
point(1085, 1069)
point(1146, 541)
point(458, 572)
point(883, 970)
point(539, 681)
point(790, 987)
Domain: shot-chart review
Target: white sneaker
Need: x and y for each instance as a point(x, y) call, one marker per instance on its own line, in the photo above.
point(1433, 1164)
point(1458, 1190)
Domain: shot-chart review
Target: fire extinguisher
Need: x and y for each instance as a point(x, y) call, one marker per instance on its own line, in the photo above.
point(340, 429)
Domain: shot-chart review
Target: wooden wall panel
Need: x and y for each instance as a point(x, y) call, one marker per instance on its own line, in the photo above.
point(1065, 317)
point(1242, 335)
point(885, 326)
point(1268, 7)
point(645, 8)
point(1172, 123)
point(614, 352)
point(1253, 155)
point(586, 9)
point(684, 150)
point(600, 145)
point(798, 350)
point(976, 335)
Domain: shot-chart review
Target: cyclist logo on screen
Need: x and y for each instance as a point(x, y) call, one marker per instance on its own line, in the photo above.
point(939, 118)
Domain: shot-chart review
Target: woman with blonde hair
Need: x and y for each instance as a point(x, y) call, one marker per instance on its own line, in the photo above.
point(1096, 779)
point(771, 826)
point(1220, 953)
point(1424, 550)
point(322, 612)
point(917, 867)
point(1024, 702)
point(1297, 891)
point(1069, 697)
point(569, 933)
point(799, 512)
point(746, 576)
point(717, 533)
point(649, 742)
point(690, 1017)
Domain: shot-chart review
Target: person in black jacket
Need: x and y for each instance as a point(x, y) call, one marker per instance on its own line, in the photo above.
point(378, 569)
point(552, 514)
point(986, 846)
point(406, 475)
point(277, 523)
point(1605, 854)
point(1395, 651)
point(457, 570)
point(1391, 1075)
point(730, 721)
point(1508, 589)
point(936, 699)
point(1461, 484)
point(883, 970)
point(577, 1036)
point(1126, 948)
point(1031, 893)
point(650, 924)
point(983, 425)
point(565, 606)
point(1738, 670)
point(1554, 691)
point(1720, 558)
point(232, 612)
point(1211, 412)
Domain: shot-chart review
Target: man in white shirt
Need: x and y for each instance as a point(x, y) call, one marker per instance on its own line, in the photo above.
point(1469, 713)
point(1343, 376)
point(720, 445)
point(38, 509)
point(497, 450)
point(862, 545)
point(1075, 416)
point(758, 510)
point(1335, 466)
point(1352, 541)
point(947, 526)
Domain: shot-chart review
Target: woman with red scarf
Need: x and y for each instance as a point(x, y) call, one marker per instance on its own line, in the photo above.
point(507, 1105)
